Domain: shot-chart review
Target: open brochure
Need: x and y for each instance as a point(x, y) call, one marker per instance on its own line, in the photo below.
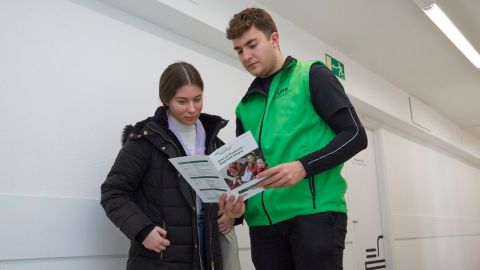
point(231, 169)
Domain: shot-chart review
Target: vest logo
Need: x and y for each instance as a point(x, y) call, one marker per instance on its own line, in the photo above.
point(282, 92)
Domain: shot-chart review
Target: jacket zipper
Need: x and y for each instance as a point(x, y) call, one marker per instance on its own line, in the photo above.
point(210, 238)
point(166, 139)
point(313, 191)
point(179, 154)
point(210, 145)
point(214, 134)
point(165, 228)
point(198, 232)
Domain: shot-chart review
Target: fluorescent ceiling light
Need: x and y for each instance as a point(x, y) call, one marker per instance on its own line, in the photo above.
point(448, 28)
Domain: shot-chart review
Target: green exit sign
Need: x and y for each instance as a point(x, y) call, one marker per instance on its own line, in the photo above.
point(335, 66)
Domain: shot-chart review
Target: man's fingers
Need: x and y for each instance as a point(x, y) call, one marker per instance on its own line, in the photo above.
point(270, 181)
point(274, 174)
point(264, 173)
point(282, 175)
point(274, 185)
point(267, 182)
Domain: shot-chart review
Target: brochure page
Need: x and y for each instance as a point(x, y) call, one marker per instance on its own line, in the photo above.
point(231, 169)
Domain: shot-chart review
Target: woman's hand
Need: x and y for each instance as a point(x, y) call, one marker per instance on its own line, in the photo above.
point(225, 224)
point(230, 207)
point(156, 240)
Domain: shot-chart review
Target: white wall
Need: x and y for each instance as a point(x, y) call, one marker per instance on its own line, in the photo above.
point(71, 77)
point(433, 203)
point(73, 73)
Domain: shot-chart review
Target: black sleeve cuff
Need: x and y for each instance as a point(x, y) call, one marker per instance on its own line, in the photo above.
point(238, 221)
point(309, 169)
point(140, 237)
point(239, 127)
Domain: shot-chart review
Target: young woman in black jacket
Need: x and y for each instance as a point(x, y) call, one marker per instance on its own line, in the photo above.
point(148, 200)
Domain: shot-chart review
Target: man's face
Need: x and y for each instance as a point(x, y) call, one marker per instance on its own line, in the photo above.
point(257, 51)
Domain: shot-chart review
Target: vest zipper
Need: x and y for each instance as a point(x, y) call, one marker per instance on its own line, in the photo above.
point(260, 147)
point(265, 210)
point(313, 191)
point(261, 124)
point(260, 135)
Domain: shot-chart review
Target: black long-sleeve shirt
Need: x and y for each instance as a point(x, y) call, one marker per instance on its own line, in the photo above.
point(332, 104)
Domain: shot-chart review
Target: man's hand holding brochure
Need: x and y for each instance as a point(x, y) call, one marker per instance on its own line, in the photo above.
point(230, 170)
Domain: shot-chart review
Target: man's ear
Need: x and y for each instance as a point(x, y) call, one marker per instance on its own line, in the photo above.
point(275, 39)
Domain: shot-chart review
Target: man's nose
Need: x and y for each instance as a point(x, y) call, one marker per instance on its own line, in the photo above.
point(247, 54)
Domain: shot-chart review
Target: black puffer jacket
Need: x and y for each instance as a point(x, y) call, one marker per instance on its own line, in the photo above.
point(143, 190)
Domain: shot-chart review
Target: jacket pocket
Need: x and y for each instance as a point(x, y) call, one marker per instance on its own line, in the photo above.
point(139, 250)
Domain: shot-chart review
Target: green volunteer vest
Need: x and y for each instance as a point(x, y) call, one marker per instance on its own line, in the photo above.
point(287, 127)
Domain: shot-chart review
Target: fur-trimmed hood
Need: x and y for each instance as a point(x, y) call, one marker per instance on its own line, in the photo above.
point(126, 130)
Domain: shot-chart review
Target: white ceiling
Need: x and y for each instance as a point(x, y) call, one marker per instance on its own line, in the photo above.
point(397, 41)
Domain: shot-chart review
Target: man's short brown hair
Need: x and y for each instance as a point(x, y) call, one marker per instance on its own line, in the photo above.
point(257, 17)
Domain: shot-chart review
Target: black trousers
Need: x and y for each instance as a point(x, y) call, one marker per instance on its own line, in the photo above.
point(301, 243)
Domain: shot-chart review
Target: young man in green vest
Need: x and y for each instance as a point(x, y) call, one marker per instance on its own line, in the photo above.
point(306, 128)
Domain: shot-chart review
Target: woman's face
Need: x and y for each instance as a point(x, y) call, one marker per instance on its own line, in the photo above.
point(260, 163)
point(187, 104)
point(251, 159)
